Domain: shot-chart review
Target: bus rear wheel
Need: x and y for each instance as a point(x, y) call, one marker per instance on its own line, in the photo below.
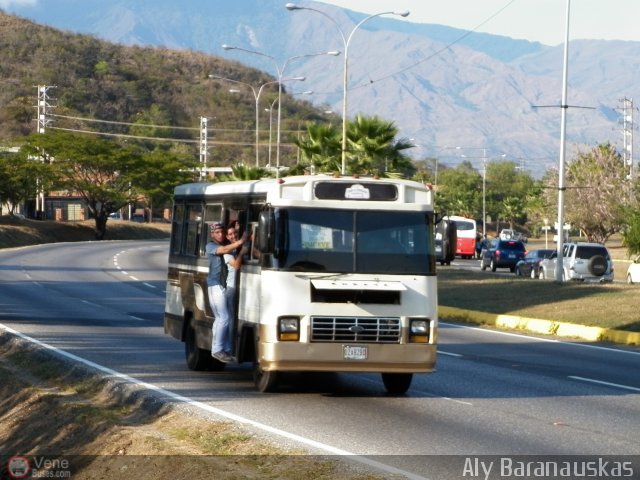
point(397, 383)
point(198, 359)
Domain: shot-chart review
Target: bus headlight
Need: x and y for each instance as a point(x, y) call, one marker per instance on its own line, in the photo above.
point(288, 329)
point(418, 330)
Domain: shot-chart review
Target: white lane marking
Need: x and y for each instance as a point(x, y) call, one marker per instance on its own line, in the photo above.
point(218, 411)
point(91, 304)
point(440, 352)
point(96, 305)
point(462, 402)
point(541, 339)
point(124, 272)
point(607, 384)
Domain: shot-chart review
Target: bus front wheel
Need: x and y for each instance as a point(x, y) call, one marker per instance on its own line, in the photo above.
point(397, 383)
point(264, 381)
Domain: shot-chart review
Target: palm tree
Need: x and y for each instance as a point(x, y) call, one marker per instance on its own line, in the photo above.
point(371, 148)
point(242, 172)
point(321, 148)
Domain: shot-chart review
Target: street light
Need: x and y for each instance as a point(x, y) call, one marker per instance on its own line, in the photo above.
point(484, 189)
point(484, 182)
point(345, 40)
point(563, 122)
point(270, 110)
point(280, 72)
point(256, 96)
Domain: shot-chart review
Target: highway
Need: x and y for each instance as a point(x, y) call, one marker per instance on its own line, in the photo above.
point(494, 393)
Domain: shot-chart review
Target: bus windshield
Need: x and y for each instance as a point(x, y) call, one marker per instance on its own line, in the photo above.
point(322, 240)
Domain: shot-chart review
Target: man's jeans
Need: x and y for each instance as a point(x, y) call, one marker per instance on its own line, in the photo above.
point(220, 329)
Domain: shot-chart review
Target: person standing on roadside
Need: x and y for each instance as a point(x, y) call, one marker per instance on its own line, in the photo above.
point(216, 288)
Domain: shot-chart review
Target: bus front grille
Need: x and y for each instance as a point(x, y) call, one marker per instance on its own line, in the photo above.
point(355, 329)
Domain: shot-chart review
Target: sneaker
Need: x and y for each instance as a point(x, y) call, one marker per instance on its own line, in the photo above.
point(222, 357)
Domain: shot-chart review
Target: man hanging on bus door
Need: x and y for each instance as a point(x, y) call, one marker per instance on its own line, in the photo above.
point(216, 288)
point(233, 261)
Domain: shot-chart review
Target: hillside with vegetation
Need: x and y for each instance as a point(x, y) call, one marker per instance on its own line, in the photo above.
point(137, 90)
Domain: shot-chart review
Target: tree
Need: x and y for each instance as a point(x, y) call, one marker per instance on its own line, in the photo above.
point(170, 167)
point(460, 191)
point(372, 148)
point(243, 172)
point(535, 206)
point(21, 177)
point(506, 187)
point(512, 210)
point(321, 147)
point(99, 171)
point(631, 236)
point(598, 194)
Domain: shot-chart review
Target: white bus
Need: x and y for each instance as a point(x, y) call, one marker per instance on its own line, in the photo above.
point(340, 277)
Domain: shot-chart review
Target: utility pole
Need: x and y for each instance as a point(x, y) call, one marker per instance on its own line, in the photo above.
point(627, 136)
point(43, 107)
point(42, 121)
point(203, 148)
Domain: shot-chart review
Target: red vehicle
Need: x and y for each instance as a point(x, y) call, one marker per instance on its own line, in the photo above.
point(466, 236)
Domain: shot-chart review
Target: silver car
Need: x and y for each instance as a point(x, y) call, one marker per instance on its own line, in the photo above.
point(633, 272)
point(587, 262)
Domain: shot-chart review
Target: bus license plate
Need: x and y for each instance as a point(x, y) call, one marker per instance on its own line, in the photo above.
point(355, 352)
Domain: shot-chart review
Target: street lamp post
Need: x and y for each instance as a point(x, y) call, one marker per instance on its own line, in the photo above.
point(346, 41)
point(270, 110)
point(484, 183)
point(280, 72)
point(563, 121)
point(484, 193)
point(256, 95)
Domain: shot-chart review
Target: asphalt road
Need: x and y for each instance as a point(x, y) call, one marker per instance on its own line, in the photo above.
point(495, 393)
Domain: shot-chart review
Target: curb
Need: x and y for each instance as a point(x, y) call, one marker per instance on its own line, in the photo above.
point(536, 325)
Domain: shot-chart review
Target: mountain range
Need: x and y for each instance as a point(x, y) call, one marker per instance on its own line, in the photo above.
point(495, 96)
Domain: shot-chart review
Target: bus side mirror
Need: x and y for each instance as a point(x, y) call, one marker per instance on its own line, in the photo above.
point(266, 230)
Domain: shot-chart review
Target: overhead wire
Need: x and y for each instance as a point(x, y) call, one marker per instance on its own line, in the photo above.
point(142, 137)
point(368, 83)
point(439, 51)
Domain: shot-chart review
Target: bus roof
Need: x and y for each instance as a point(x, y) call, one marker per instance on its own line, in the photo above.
point(300, 190)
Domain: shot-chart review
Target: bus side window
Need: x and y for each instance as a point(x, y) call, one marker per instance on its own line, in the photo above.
point(254, 253)
point(252, 217)
point(177, 229)
point(193, 224)
point(212, 214)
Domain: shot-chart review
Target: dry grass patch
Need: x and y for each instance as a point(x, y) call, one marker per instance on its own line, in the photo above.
point(15, 232)
point(49, 407)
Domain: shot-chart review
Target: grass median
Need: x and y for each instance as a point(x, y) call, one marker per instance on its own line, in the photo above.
point(609, 305)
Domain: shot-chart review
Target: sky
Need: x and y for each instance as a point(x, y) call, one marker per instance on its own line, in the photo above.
point(536, 20)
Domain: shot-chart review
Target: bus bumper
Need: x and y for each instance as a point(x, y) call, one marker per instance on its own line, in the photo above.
point(334, 357)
